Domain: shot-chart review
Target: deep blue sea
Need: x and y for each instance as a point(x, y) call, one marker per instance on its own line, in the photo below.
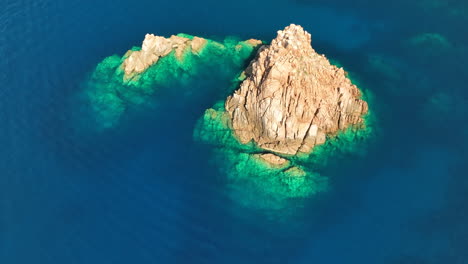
point(145, 192)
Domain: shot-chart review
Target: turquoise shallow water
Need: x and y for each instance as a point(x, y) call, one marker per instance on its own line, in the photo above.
point(145, 192)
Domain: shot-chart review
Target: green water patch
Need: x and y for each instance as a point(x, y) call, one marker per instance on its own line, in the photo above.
point(429, 46)
point(258, 184)
point(111, 94)
point(252, 181)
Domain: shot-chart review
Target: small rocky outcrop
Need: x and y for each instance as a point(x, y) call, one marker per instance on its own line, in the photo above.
point(292, 98)
point(156, 47)
point(273, 159)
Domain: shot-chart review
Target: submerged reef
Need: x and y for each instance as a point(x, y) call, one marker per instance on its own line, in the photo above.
point(292, 110)
point(429, 46)
point(119, 83)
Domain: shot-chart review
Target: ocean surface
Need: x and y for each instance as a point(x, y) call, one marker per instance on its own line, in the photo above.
point(145, 192)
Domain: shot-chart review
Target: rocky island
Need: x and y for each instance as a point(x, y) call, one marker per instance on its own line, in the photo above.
point(286, 110)
point(290, 101)
point(292, 98)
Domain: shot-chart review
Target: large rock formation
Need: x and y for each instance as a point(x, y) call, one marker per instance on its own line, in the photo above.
point(293, 97)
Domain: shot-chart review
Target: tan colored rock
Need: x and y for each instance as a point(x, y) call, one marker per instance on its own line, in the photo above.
point(273, 159)
point(197, 44)
point(156, 47)
point(179, 44)
point(293, 97)
point(251, 42)
point(254, 42)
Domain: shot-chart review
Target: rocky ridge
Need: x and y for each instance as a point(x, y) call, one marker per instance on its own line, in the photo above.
point(292, 98)
point(155, 47)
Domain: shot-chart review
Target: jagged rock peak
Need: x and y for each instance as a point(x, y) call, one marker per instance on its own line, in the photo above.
point(293, 37)
point(292, 97)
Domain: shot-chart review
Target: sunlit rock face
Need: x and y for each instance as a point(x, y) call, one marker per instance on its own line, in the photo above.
point(292, 97)
point(156, 47)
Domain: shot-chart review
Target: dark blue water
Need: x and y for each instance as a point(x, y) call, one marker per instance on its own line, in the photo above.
point(146, 193)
